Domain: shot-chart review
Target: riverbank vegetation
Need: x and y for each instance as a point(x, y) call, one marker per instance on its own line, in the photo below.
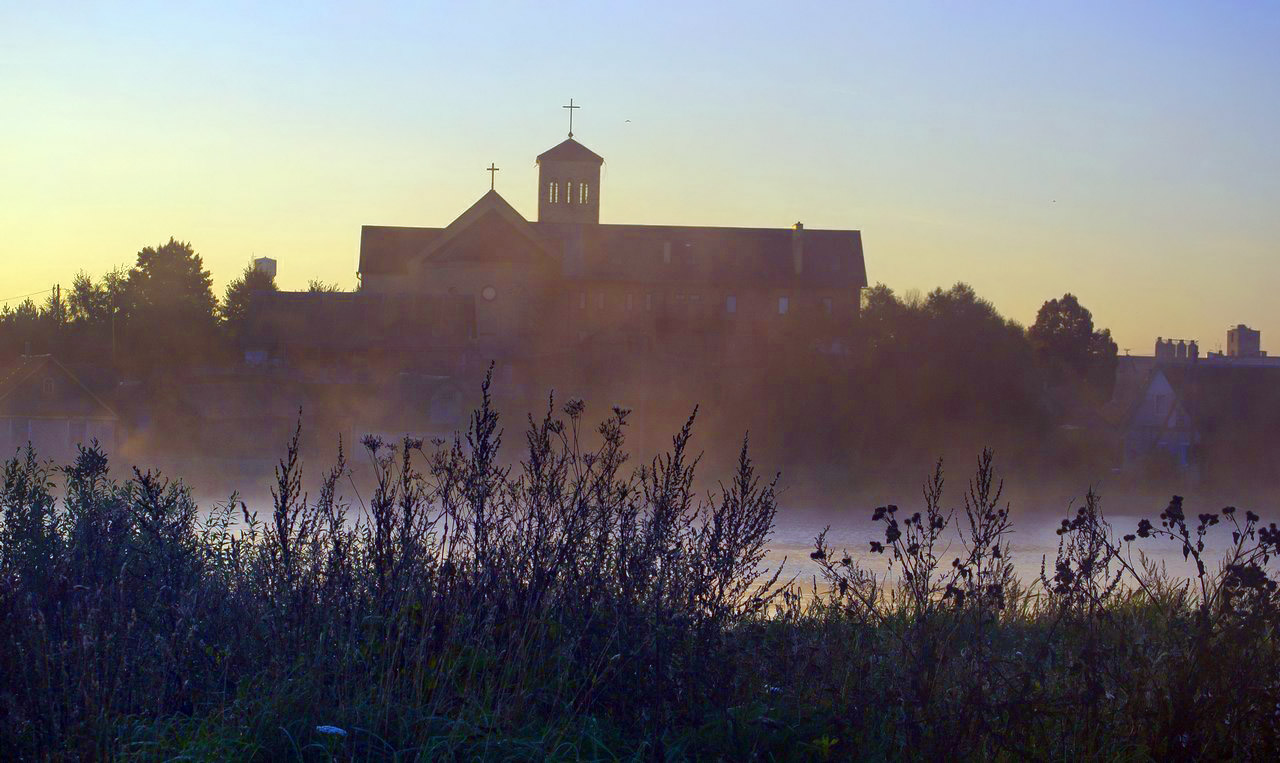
point(570, 604)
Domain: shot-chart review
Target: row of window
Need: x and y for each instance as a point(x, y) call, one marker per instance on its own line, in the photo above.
point(694, 300)
point(693, 258)
point(583, 192)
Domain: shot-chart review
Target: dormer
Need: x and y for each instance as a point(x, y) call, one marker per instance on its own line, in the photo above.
point(569, 184)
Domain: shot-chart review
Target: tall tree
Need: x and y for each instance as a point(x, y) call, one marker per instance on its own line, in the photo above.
point(1067, 343)
point(242, 292)
point(22, 330)
point(96, 303)
point(171, 306)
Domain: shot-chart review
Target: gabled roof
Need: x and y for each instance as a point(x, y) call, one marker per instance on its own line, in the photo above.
point(1237, 400)
point(493, 204)
point(388, 249)
point(571, 150)
point(637, 253)
point(27, 367)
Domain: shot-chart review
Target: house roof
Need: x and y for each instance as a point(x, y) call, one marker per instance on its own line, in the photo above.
point(637, 253)
point(386, 249)
point(1239, 400)
point(15, 377)
point(355, 320)
point(571, 150)
point(761, 256)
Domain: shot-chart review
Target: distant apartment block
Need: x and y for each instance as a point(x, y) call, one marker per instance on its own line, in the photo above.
point(1244, 342)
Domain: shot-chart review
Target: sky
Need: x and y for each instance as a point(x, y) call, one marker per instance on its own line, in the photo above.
point(1123, 152)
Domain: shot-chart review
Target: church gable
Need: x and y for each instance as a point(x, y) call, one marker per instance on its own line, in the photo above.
point(490, 231)
point(490, 239)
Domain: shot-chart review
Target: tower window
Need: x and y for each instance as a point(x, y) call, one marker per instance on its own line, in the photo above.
point(731, 304)
point(783, 304)
point(553, 192)
point(584, 193)
point(568, 192)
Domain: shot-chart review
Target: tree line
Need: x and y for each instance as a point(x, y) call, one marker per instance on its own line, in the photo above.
point(160, 314)
point(941, 372)
point(925, 372)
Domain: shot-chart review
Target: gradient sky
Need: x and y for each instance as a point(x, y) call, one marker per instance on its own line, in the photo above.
point(1126, 152)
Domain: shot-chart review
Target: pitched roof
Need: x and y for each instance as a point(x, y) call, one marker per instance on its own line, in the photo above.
point(1236, 400)
point(386, 249)
point(16, 374)
point(637, 253)
point(489, 205)
point(571, 150)
point(355, 320)
point(753, 256)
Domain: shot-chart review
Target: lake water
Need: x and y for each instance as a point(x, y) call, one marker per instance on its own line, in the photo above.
point(1031, 541)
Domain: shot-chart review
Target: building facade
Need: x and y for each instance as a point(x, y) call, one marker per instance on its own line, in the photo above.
point(565, 281)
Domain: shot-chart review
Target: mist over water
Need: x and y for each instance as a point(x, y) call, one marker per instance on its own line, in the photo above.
point(806, 510)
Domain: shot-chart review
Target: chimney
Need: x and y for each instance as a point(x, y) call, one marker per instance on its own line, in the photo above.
point(797, 247)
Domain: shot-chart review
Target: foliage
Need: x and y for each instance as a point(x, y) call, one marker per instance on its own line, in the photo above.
point(170, 295)
point(945, 369)
point(1065, 340)
point(316, 286)
point(568, 606)
point(240, 296)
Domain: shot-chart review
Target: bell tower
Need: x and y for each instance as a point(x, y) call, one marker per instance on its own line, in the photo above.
point(569, 181)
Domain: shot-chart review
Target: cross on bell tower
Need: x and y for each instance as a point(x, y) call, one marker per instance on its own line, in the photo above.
point(569, 180)
point(570, 107)
point(492, 170)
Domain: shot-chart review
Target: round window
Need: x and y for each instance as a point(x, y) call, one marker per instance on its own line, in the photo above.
point(489, 293)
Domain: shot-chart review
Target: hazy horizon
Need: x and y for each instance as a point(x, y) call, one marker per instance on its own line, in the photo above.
point(1124, 153)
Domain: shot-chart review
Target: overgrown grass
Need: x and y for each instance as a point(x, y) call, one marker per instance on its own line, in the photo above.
point(574, 607)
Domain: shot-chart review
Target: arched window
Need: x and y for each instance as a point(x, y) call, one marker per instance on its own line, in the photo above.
point(568, 192)
point(584, 193)
point(553, 189)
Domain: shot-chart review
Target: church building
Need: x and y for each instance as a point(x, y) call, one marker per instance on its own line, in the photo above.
point(546, 287)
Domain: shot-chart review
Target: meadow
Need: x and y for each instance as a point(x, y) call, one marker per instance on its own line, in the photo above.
point(573, 604)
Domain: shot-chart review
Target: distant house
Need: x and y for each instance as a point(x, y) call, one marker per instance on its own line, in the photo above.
point(345, 330)
point(1207, 421)
point(45, 404)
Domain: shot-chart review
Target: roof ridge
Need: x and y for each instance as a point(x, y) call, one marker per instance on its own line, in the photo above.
point(20, 372)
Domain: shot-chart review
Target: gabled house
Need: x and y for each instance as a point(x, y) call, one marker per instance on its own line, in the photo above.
point(43, 403)
point(1208, 421)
